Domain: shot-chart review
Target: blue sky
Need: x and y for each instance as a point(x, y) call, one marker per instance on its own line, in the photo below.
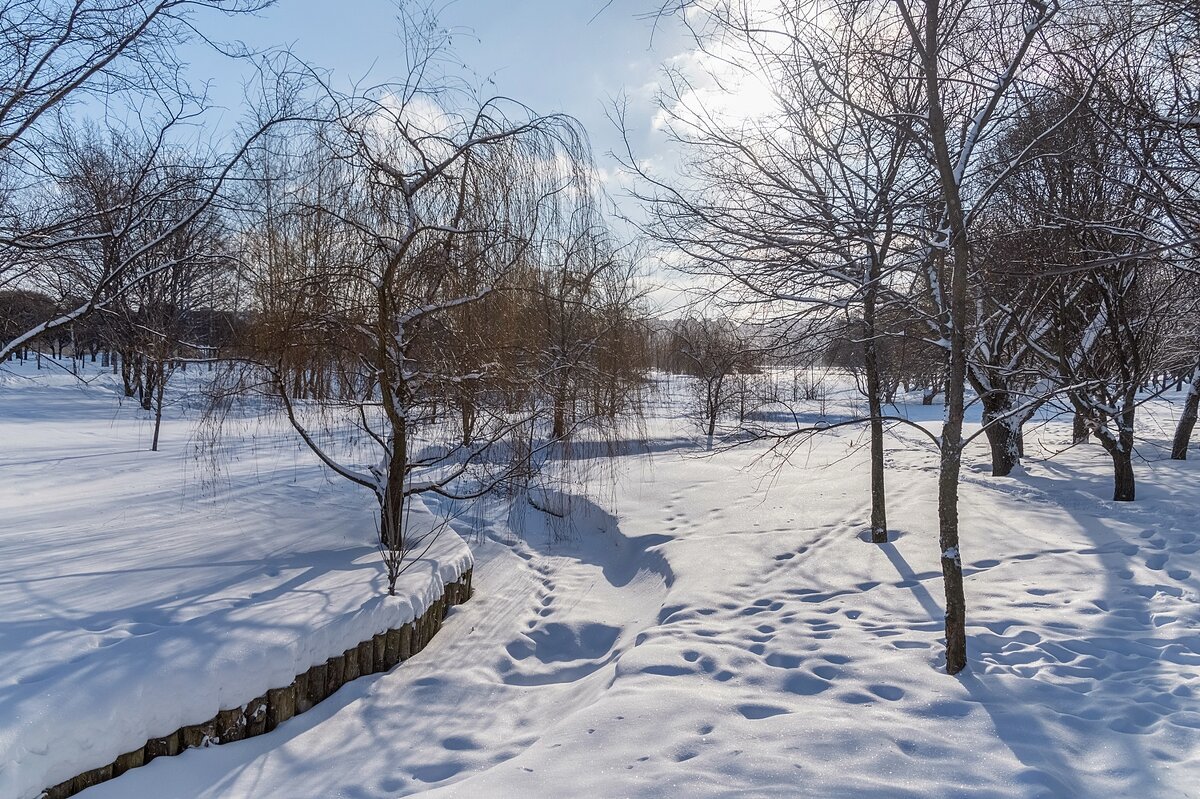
point(571, 56)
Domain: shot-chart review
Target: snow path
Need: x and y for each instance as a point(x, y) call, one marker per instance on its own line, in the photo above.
point(539, 639)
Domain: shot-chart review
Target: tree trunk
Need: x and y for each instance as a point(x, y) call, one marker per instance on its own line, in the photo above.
point(1123, 483)
point(1080, 432)
point(559, 429)
point(951, 465)
point(951, 560)
point(468, 419)
point(1003, 431)
point(391, 522)
point(712, 405)
point(875, 403)
point(152, 372)
point(1183, 432)
point(954, 322)
point(158, 405)
point(129, 380)
point(1119, 447)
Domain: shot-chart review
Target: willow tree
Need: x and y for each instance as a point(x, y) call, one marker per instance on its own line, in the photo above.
point(420, 208)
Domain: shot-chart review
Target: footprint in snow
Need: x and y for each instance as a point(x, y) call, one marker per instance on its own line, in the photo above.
point(754, 711)
point(460, 743)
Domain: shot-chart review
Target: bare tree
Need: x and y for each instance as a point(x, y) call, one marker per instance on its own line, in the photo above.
point(583, 298)
point(947, 74)
point(1108, 304)
point(1187, 419)
point(799, 209)
point(56, 55)
point(715, 353)
point(967, 58)
point(1156, 85)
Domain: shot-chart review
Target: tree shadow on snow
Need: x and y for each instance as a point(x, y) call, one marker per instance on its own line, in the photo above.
point(1012, 715)
point(1109, 684)
point(556, 522)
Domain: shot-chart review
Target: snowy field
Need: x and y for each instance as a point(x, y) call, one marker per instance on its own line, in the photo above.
point(142, 591)
point(704, 626)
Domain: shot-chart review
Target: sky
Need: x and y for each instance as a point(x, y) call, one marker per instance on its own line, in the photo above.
point(571, 56)
point(577, 57)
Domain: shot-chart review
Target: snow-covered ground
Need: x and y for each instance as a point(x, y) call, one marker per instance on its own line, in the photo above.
point(710, 626)
point(143, 591)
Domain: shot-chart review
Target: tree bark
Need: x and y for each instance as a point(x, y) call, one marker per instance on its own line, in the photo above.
point(1183, 432)
point(146, 393)
point(158, 405)
point(130, 374)
point(467, 407)
point(954, 324)
point(875, 403)
point(1003, 432)
point(559, 427)
point(1119, 447)
point(1080, 432)
point(391, 521)
point(951, 560)
point(1123, 482)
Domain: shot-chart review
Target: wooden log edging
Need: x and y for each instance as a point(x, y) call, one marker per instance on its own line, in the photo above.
point(263, 714)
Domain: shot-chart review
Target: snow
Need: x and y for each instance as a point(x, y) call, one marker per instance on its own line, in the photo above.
point(701, 625)
point(137, 598)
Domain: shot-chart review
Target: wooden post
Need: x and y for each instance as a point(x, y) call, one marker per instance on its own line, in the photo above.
point(419, 632)
point(391, 654)
point(379, 646)
point(281, 705)
point(406, 641)
point(352, 671)
point(366, 657)
point(229, 726)
point(256, 717)
point(162, 747)
point(94, 777)
point(301, 694)
point(129, 760)
point(318, 684)
point(197, 735)
point(335, 674)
